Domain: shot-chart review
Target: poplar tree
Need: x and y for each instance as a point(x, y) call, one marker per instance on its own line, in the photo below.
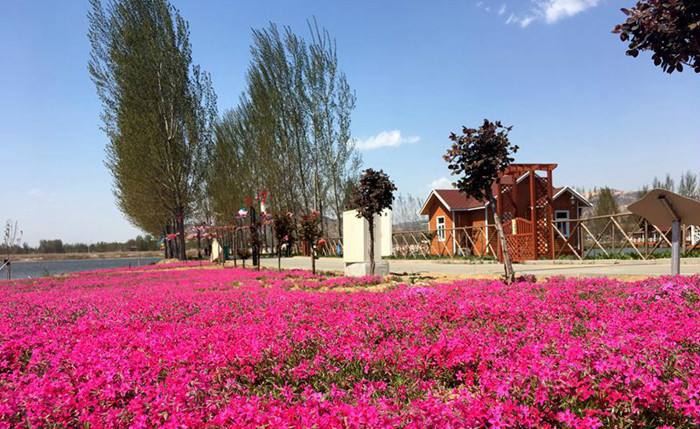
point(158, 111)
point(290, 133)
point(688, 185)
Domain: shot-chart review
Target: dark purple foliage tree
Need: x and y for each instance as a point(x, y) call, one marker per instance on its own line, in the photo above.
point(373, 194)
point(284, 230)
point(310, 232)
point(478, 157)
point(668, 28)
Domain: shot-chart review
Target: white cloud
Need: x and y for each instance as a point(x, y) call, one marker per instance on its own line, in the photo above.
point(441, 183)
point(549, 11)
point(554, 10)
point(512, 18)
point(386, 139)
point(524, 22)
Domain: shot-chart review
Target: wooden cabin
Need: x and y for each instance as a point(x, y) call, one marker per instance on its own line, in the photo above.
point(463, 226)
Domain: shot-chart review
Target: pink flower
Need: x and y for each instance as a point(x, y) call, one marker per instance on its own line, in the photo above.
point(180, 345)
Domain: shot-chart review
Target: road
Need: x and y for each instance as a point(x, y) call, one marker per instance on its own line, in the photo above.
point(540, 268)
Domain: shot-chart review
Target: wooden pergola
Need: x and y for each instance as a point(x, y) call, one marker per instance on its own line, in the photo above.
point(533, 238)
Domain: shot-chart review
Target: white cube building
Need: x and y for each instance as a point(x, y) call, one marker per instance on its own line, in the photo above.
point(356, 243)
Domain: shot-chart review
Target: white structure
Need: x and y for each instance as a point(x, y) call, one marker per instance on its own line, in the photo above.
point(356, 244)
point(217, 253)
point(386, 233)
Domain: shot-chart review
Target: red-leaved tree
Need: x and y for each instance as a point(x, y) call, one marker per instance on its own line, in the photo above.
point(284, 230)
point(310, 232)
point(668, 28)
point(478, 157)
point(373, 194)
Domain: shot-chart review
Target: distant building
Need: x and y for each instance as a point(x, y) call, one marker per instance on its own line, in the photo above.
point(464, 226)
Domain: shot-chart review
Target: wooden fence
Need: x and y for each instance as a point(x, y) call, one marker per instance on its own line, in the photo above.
point(613, 236)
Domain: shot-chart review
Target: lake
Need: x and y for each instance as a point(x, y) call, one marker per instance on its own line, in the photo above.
point(32, 269)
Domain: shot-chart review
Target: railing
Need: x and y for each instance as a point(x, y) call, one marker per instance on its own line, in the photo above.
point(622, 235)
point(612, 236)
point(4, 265)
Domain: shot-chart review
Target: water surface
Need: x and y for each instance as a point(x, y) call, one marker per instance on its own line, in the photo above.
point(32, 269)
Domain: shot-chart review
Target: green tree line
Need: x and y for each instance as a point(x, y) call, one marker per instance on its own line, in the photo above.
point(139, 243)
point(174, 161)
point(290, 132)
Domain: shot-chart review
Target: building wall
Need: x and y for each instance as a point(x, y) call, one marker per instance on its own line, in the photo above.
point(475, 222)
point(455, 237)
point(435, 210)
point(564, 203)
point(457, 225)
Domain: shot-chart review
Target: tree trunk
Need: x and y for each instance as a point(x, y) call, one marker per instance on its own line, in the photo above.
point(371, 247)
point(279, 258)
point(254, 238)
point(313, 258)
point(509, 276)
point(180, 231)
point(173, 243)
point(166, 244)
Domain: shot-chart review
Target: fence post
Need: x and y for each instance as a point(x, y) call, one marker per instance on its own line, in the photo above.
point(676, 247)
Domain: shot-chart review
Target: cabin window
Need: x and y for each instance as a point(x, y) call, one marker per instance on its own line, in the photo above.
point(441, 228)
point(561, 218)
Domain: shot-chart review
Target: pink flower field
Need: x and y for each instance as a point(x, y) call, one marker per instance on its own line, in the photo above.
point(193, 347)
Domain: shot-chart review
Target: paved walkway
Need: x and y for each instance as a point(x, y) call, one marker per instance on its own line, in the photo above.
point(540, 268)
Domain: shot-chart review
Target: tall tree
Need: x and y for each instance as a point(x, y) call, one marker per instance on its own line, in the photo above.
point(478, 157)
point(233, 167)
point(158, 111)
point(670, 29)
point(331, 102)
point(688, 186)
point(406, 212)
point(606, 203)
point(668, 183)
point(290, 132)
point(373, 194)
point(642, 191)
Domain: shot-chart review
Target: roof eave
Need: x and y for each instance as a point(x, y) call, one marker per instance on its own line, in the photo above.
point(434, 192)
point(575, 194)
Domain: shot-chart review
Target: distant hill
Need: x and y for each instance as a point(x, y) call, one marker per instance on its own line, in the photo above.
point(624, 198)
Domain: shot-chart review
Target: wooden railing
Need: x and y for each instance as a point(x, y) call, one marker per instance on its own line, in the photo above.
point(617, 236)
point(612, 236)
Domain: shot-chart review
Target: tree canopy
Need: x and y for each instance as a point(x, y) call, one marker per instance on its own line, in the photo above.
point(290, 133)
point(478, 157)
point(373, 194)
point(158, 111)
point(670, 29)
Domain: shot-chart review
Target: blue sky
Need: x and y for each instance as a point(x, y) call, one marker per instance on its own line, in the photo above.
point(550, 68)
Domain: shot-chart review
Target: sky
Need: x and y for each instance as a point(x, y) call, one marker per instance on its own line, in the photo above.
point(420, 69)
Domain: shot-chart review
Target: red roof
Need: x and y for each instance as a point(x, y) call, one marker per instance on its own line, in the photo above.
point(456, 200)
point(453, 199)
